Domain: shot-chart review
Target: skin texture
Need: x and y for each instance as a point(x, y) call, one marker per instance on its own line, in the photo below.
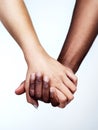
point(39, 89)
point(62, 80)
point(82, 32)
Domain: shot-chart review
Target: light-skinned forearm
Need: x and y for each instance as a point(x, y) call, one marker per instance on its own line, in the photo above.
point(82, 32)
point(15, 18)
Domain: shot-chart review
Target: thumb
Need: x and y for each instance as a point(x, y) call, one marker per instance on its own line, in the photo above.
point(21, 89)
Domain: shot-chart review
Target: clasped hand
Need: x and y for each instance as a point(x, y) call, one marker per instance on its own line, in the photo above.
point(40, 88)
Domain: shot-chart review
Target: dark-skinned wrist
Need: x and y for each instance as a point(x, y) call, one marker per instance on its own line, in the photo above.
point(69, 65)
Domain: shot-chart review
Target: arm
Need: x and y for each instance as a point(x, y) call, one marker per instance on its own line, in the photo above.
point(15, 18)
point(82, 32)
point(17, 21)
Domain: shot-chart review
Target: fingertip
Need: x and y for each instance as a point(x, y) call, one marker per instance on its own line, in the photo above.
point(21, 89)
point(62, 106)
point(35, 106)
point(16, 92)
point(33, 102)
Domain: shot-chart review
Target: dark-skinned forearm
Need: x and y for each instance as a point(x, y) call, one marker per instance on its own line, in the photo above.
point(82, 32)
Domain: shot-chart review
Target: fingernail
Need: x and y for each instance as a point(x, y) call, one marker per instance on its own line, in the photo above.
point(35, 106)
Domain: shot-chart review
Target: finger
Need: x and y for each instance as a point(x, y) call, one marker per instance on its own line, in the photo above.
point(68, 83)
point(46, 89)
point(72, 77)
point(32, 85)
point(32, 101)
point(21, 89)
point(28, 97)
point(38, 86)
point(53, 97)
point(64, 89)
point(63, 101)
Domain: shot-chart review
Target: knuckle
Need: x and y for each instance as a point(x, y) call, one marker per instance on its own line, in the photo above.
point(38, 81)
point(45, 85)
point(76, 79)
point(71, 98)
point(61, 74)
point(31, 92)
point(32, 85)
point(62, 105)
point(74, 89)
point(63, 101)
